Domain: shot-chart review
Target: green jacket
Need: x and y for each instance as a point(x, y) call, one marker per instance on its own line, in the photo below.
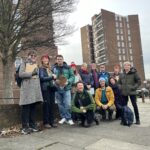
point(67, 72)
point(86, 99)
point(129, 82)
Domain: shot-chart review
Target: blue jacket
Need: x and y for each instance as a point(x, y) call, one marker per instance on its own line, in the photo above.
point(45, 80)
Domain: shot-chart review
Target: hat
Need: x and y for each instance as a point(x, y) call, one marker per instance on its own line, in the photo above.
point(73, 65)
point(102, 79)
point(45, 56)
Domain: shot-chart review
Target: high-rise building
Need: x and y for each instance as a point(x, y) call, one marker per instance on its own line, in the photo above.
point(116, 39)
point(87, 44)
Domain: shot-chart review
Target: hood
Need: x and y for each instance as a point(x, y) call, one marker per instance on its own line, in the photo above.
point(132, 70)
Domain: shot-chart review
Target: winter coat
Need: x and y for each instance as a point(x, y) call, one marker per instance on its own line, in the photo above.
point(66, 71)
point(86, 77)
point(117, 94)
point(129, 82)
point(83, 99)
point(104, 75)
point(109, 95)
point(95, 79)
point(45, 80)
point(30, 91)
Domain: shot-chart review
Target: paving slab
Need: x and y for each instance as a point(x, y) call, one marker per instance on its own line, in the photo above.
point(108, 144)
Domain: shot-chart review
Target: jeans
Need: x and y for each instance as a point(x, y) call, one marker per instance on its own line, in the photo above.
point(64, 104)
point(48, 105)
point(134, 104)
point(28, 115)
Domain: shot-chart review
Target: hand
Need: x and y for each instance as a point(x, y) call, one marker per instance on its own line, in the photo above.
point(66, 83)
point(105, 106)
point(54, 76)
point(57, 82)
point(35, 71)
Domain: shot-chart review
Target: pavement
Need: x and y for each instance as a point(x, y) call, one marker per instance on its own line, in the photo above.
point(106, 136)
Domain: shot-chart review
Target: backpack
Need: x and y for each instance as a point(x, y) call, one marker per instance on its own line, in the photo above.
point(127, 116)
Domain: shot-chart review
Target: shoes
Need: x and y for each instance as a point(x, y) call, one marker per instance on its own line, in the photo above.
point(54, 125)
point(25, 131)
point(103, 117)
point(86, 125)
point(47, 126)
point(110, 116)
point(70, 122)
point(138, 122)
point(62, 121)
point(96, 120)
point(34, 129)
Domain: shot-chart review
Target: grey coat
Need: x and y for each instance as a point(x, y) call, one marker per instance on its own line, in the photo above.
point(30, 91)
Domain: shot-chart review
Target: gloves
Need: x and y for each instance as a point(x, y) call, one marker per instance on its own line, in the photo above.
point(35, 71)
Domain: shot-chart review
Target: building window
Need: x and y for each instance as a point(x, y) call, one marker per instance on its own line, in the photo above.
point(131, 58)
point(117, 31)
point(116, 17)
point(130, 51)
point(118, 44)
point(130, 44)
point(129, 38)
point(120, 18)
point(122, 38)
point(118, 38)
point(116, 24)
point(119, 57)
point(122, 44)
point(128, 32)
point(120, 24)
point(124, 58)
point(123, 51)
point(121, 31)
point(128, 25)
point(119, 50)
point(121, 64)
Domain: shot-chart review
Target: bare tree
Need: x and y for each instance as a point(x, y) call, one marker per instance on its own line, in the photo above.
point(21, 25)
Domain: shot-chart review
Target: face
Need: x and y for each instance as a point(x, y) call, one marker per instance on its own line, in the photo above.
point(84, 67)
point(116, 70)
point(45, 61)
point(102, 68)
point(127, 67)
point(33, 57)
point(73, 68)
point(112, 81)
point(102, 83)
point(80, 87)
point(60, 61)
point(93, 66)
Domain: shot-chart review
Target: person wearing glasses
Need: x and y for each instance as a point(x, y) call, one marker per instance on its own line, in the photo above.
point(30, 92)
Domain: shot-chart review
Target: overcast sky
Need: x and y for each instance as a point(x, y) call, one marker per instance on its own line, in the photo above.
point(87, 8)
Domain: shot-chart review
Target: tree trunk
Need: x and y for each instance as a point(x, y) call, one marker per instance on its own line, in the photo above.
point(8, 71)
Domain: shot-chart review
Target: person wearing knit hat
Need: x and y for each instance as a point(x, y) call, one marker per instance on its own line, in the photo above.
point(77, 78)
point(104, 98)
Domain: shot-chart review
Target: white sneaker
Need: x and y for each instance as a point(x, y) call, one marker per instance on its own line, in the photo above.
point(62, 121)
point(70, 122)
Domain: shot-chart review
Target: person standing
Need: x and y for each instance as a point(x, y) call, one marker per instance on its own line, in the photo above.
point(48, 92)
point(128, 83)
point(94, 73)
point(116, 72)
point(103, 73)
point(30, 92)
point(65, 78)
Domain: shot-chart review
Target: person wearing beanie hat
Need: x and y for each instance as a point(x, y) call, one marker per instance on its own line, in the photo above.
point(104, 98)
point(77, 77)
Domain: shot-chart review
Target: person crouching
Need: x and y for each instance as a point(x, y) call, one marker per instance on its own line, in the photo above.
point(83, 106)
point(104, 98)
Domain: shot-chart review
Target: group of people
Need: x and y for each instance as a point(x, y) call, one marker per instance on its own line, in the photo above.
point(79, 92)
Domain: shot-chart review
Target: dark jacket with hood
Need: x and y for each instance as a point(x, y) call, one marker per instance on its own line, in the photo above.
point(66, 71)
point(129, 82)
